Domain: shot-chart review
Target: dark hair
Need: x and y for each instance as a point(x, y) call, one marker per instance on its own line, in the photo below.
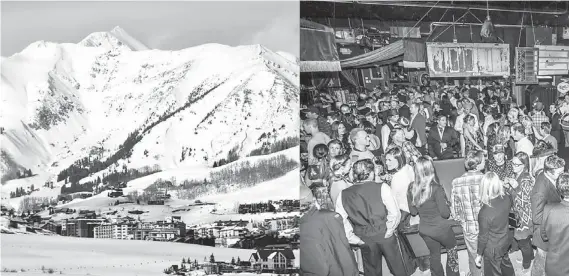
point(525, 160)
point(335, 142)
point(563, 185)
point(391, 113)
point(398, 154)
point(473, 159)
point(320, 151)
point(553, 162)
point(519, 127)
point(367, 126)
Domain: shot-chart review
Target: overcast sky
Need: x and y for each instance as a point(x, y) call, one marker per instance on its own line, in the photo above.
point(159, 25)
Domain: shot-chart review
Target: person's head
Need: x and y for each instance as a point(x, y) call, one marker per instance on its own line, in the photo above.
point(320, 151)
point(340, 165)
point(332, 117)
point(311, 126)
point(312, 112)
point(504, 134)
point(442, 121)
point(335, 148)
point(521, 162)
point(490, 188)
point(493, 129)
point(526, 122)
point(338, 128)
point(553, 108)
point(322, 198)
point(394, 104)
point(397, 135)
point(367, 127)
point(518, 131)
point(424, 177)
point(538, 106)
point(513, 115)
point(393, 116)
point(345, 109)
point(545, 128)
point(414, 108)
point(394, 159)
point(359, 138)
point(467, 106)
point(487, 110)
point(562, 185)
point(553, 166)
point(371, 117)
point(542, 149)
point(498, 152)
point(469, 120)
point(363, 170)
point(474, 160)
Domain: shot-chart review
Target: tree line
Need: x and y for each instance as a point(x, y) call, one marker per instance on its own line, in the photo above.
point(79, 170)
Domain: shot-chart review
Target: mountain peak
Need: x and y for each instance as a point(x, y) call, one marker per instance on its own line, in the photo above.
point(117, 38)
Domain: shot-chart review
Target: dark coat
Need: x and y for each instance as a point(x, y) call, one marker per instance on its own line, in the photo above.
point(555, 227)
point(556, 127)
point(324, 246)
point(419, 124)
point(450, 137)
point(544, 192)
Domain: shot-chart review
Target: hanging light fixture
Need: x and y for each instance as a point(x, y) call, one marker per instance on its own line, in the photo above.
point(487, 28)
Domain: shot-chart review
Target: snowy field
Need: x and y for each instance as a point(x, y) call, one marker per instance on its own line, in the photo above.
point(82, 256)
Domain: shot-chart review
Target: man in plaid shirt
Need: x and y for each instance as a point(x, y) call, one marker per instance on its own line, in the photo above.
point(465, 203)
point(538, 116)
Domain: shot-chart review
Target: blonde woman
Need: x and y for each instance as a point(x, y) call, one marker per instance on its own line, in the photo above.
point(428, 199)
point(493, 240)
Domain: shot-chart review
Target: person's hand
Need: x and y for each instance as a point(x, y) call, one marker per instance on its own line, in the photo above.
point(478, 261)
point(388, 235)
point(443, 145)
point(512, 182)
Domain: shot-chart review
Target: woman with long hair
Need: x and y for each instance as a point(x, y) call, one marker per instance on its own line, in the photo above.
point(401, 176)
point(340, 132)
point(522, 206)
point(428, 200)
point(505, 139)
point(472, 135)
point(493, 239)
point(338, 178)
point(375, 143)
point(529, 129)
point(492, 135)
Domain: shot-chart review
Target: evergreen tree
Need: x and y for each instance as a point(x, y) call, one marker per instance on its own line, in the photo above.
point(32, 187)
point(212, 258)
point(183, 260)
point(238, 260)
point(233, 260)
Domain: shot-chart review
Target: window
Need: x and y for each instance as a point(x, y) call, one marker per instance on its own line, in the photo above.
point(376, 73)
point(527, 60)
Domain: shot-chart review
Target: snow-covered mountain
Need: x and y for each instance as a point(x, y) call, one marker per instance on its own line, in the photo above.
point(111, 98)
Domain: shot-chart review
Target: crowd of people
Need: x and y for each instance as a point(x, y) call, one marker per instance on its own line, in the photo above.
point(369, 164)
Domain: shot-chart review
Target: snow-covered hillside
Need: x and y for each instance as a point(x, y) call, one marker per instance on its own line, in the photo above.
point(112, 99)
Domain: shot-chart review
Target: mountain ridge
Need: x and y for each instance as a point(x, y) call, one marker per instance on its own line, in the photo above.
point(79, 97)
